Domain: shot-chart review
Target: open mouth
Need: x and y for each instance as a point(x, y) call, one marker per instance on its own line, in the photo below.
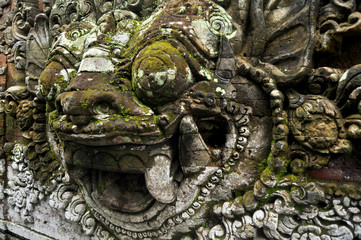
point(125, 192)
point(127, 178)
point(132, 177)
point(213, 131)
point(127, 158)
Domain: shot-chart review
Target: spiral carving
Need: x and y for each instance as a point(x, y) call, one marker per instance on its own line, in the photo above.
point(88, 223)
point(12, 98)
point(348, 4)
point(85, 7)
point(134, 3)
point(75, 209)
point(220, 23)
point(77, 30)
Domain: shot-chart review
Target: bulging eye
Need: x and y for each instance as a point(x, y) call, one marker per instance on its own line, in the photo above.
point(103, 108)
point(160, 74)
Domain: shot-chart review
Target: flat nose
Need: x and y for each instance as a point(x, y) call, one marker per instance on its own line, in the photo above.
point(93, 102)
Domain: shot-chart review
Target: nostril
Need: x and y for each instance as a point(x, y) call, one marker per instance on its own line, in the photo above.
point(64, 102)
point(58, 106)
point(80, 120)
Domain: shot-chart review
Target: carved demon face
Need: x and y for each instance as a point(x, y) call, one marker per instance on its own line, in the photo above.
point(149, 117)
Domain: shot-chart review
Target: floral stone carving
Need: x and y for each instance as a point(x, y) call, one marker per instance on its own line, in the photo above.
point(191, 119)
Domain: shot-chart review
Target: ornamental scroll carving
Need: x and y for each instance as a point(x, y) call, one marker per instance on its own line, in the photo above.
point(180, 119)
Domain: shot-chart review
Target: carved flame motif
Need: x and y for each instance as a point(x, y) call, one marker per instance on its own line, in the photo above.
point(190, 119)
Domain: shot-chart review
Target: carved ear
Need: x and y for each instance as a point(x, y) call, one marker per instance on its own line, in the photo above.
point(37, 46)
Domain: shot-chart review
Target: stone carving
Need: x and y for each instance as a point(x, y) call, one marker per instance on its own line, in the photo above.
point(192, 119)
point(21, 191)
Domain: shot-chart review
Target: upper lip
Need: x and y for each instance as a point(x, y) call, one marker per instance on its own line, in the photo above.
point(111, 130)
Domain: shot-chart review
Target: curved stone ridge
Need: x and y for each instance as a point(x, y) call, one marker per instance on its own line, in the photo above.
point(180, 119)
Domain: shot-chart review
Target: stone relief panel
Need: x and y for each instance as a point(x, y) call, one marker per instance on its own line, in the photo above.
point(180, 119)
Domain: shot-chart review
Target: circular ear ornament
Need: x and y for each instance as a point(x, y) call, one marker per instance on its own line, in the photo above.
point(317, 124)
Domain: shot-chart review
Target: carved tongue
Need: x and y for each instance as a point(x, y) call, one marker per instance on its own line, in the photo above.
point(159, 181)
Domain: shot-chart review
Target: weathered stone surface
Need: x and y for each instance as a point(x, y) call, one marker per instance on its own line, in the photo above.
point(180, 119)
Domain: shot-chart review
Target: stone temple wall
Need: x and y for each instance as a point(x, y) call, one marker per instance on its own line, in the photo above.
point(180, 119)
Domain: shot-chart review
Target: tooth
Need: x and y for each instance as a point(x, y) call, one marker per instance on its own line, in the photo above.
point(194, 153)
point(159, 181)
